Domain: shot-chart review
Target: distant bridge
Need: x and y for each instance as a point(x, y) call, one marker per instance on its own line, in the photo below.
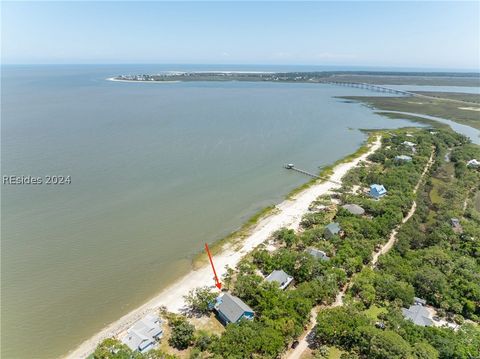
point(371, 87)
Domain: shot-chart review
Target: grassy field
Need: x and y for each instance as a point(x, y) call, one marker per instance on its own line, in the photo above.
point(467, 97)
point(444, 108)
point(374, 311)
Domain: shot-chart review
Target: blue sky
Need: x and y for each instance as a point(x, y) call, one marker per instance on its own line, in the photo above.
point(391, 34)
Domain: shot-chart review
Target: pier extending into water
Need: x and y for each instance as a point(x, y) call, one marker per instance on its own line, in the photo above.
point(291, 166)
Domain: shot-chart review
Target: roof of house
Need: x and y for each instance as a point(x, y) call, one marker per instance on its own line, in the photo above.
point(403, 158)
point(418, 314)
point(232, 307)
point(408, 143)
point(317, 253)
point(455, 222)
point(143, 333)
point(354, 208)
point(278, 276)
point(333, 227)
point(473, 162)
point(378, 188)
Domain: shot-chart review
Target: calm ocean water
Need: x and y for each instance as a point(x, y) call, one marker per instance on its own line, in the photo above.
point(156, 170)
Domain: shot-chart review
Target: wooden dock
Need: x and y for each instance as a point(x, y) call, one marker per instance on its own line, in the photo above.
point(293, 168)
point(290, 167)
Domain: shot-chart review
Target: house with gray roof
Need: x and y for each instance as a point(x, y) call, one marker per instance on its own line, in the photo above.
point(409, 144)
point(354, 209)
point(418, 314)
point(231, 309)
point(282, 278)
point(332, 229)
point(318, 254)
point(403, 158)
point(144, 334)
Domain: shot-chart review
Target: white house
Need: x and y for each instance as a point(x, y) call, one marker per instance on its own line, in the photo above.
point(473, 163)
point(282, 278)
point(143, 335)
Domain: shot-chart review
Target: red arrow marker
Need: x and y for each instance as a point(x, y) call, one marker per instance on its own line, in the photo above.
point(217, 282)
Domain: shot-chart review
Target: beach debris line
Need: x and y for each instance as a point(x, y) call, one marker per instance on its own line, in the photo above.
point(217, 282)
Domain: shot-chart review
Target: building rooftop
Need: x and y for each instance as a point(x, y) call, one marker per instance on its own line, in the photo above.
point(333, 227)
point(354, 209)
point(281, 277)
point(473, 163)
point(408, 143)
point(143, 334)
point(232, 307)
point(318, 254)
point(403, 158)
point(418, 314)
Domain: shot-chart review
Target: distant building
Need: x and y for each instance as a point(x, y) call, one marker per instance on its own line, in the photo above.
point(143, 335)
point(354, 209)
point(231, 309)
point(318, 254)
point(403, 158)
point(282, 278)
point(418, 314)
point(410, 145)
point(377, 191)
point(473, 163)
point(455, 223)
point(332, 229)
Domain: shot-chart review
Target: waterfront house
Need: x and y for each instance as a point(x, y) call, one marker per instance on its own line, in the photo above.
point(318, 254)
point(377, 191)
point(418, 314)
point(231, 309)
point(144, 334)
point(473, 163)
point(403, 158)
point(354, 209)
point(332, 229)
point(282, 278)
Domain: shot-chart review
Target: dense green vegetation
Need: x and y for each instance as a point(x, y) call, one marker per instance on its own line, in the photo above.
point(429, 260)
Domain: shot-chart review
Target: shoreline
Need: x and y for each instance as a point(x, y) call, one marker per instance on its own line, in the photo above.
point(288, 213)
point(113, 79)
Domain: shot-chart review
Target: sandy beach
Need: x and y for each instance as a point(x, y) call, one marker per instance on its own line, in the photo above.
point(289, 214)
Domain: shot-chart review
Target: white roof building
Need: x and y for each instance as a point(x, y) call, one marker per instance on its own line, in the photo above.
point(282, 278)
point(143, 335)
point(473, 163)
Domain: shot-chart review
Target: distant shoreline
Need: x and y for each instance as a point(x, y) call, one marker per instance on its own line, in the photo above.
point(286, 214)
point(144, 81)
